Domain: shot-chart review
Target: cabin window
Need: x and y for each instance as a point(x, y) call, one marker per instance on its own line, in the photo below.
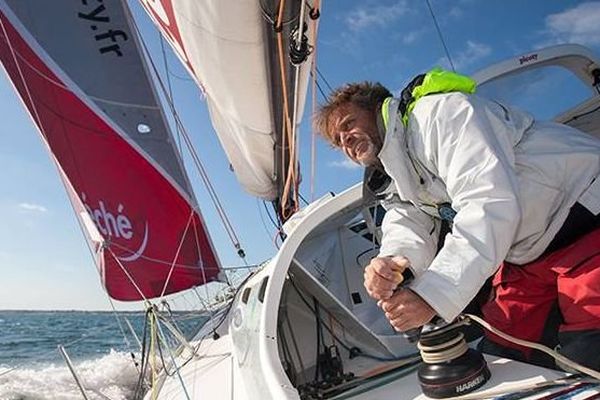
point(246, 295)
point(263, 289)
point(531, 89)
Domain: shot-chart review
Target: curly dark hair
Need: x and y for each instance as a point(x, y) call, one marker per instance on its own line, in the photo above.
point(366, 95)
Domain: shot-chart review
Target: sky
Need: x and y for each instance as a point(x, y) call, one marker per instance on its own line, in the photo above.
point(44, 260)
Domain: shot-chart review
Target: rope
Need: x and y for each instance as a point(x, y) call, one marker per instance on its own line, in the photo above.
point(196, 159)
point(324, 80)
point(118, 321)
point(439, 31)
point(161, 337)
point(287, 132)
point(313, 142)
point(280, 15)
point(153, 372)
point(444, 352)
point(153, 259)
point(127, 274)
point(295, 140)
point(557, 356)
point(168, 73)
point(183, 236)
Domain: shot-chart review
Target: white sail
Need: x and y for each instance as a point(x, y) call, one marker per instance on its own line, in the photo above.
point(233, 56)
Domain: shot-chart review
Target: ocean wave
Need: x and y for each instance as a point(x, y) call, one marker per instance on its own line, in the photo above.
point(113, 375)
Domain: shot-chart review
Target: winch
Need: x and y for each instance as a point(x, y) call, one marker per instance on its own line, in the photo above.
point(450, 368)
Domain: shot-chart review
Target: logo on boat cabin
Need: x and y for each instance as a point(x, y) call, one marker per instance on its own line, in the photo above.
point(526, 59)
point(116, 225)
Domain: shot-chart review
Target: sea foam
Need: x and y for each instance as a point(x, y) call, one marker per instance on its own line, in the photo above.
point(113, 375)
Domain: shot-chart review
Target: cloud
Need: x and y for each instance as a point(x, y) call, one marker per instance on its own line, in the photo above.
point(576, 25)
point(345, 164)
point(473, 53)
point(366, 17)
point(411, 37)
point(455, 12)
point(32, 207)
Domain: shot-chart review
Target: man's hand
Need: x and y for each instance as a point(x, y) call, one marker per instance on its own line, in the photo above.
point(406, 310)
point(383, 275)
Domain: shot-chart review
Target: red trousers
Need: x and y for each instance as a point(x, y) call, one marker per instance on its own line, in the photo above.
point(524, 295)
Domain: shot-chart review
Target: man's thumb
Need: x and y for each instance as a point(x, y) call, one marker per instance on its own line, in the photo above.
point(400, 263)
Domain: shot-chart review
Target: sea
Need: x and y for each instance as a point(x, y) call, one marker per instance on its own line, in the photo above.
point(101, 346)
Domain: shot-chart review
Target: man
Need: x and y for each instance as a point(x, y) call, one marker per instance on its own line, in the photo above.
point(522, 198)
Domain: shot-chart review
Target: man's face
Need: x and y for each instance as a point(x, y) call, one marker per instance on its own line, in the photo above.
point(355, 133)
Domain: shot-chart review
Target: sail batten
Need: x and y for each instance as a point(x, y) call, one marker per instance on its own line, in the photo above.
point(111, 142)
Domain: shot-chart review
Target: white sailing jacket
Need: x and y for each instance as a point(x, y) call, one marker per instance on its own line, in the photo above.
point(510, 179)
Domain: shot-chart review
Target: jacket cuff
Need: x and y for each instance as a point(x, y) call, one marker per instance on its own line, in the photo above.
point(439, 293)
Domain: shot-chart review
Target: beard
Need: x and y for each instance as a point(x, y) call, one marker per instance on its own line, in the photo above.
point(368, 156)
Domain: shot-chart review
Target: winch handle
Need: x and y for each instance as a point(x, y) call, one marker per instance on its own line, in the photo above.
point(412, 335)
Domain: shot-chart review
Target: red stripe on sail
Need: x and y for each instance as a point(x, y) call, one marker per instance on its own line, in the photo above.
point(142, 217)
point(161, 12)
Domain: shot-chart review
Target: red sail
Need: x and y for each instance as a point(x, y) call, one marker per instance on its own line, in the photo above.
point(116, 153)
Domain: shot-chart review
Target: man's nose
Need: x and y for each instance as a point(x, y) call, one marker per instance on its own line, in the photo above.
point(346, 138)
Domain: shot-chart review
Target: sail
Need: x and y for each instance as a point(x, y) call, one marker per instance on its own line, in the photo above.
point(234, 57)
point(79, 72)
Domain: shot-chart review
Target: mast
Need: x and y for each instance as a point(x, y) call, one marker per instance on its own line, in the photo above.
point(287, 54)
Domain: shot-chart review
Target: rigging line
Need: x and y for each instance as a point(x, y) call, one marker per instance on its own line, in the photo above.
point(557, 356)
point(211, 314)
point(270, 18)
point(152, 353)
point(211, 191)
point(287, 129)
point(439, 31)
point(302, 198)
point(262, 218)
point(321, 90)
point(280, 14)
point(324, 80)
point(173, 263)
point(172, 99)
point(200, 167)
point(204, 272)
point(147, 258)
point(181, 126)
point(181, 78)
point(144, 359)
point(127, 274)
point(66, 88)
point(275, 224)
point(300, 32)
point(36, 117)
point(119, 321)
point(313, 136)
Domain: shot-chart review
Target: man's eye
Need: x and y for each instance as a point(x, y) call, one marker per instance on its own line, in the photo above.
point(346, 125)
